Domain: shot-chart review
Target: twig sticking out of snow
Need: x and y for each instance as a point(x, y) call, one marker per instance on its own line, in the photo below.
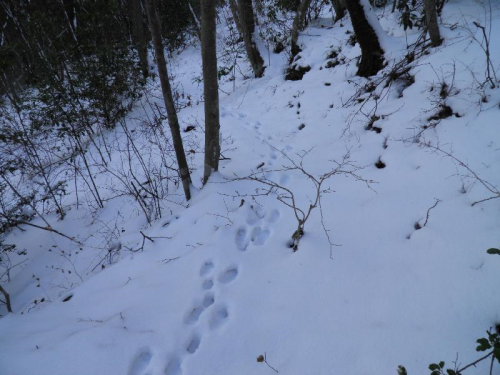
point(263, 358)
point(429, 210)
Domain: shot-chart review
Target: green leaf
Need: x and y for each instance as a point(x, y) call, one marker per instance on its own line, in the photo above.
point(451, 372)
point(484, 344)
point(441, 364)
point(435, 372)
point(433, 366)
point(496, 354)
point(491, 336)
point(493, 251)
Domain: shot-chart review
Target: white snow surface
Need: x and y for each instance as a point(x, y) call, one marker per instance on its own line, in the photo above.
point(222, 286)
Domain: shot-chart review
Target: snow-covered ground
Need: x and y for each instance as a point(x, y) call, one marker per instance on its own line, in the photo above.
point(220, 286)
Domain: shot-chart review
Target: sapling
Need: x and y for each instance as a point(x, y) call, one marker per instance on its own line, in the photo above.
point(288, 196)
point(491, 345)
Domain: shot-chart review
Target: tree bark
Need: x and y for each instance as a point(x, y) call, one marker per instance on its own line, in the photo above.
point(173, 121)
point(138, 35)
point(298, 25)
point(196, 20)
point(234, 11)
point(394, 3)
point(372, 55)
point(210, 87)
point(247, 29)
point(432, 22)
point(69, 12)
point(7, 299)
point(339, 8)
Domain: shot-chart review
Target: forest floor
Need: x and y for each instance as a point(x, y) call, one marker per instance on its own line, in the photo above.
point(403, 277)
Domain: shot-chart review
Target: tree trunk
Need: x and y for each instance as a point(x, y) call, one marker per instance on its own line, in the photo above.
point(173, 121)
point(138, 35)
point(210, 87)
point(298, 25)
point(196, 20)
point(7, 299)
point(234, 11)
point(432, 22)
point(247, 29)
point(69, 8)
point(372, 55)
point(69, 13)
point(339, 8)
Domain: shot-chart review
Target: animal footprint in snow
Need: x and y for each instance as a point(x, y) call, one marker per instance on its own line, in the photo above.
point(141, 363)
point(229, 275)
point(207, 284)
point(274, 216)
point(208, 300)
point(206, 268)
point(193, 344)
point(284, 179)
point(241, 239)
point(259, 236)
point(194, 315)
point(255, 214)
point(220, 315)
point(173, 366)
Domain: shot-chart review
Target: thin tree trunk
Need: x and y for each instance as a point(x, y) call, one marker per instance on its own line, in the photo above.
point(69, 9)
point(69, 13)
point(7, 299)
point(138, 35)
point(211, 87)
point(339, 8)
point(432, 22)
point(33, 158)
point(173, 121)
point(298, 25)
point(441, 6)
point(87, 166)
point(234, 11)
point(372, 55)
point(247, 29)
point(196, 20)
point(10, 90)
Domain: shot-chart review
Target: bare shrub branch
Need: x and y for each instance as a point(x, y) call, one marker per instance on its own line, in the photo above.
point(288, 197)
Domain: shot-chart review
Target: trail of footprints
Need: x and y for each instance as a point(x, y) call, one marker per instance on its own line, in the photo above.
point(254, 233)
point(242, 117)
point(273, 154)
point(218, 314)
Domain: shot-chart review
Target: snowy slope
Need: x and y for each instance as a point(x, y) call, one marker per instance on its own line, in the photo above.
point(221, 286)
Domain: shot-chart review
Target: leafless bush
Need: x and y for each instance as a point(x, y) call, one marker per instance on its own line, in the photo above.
point(396, 76)
point(233, 50)
point(440, 90)
point(288, 196)
point(470, 173)
point(483, 27)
